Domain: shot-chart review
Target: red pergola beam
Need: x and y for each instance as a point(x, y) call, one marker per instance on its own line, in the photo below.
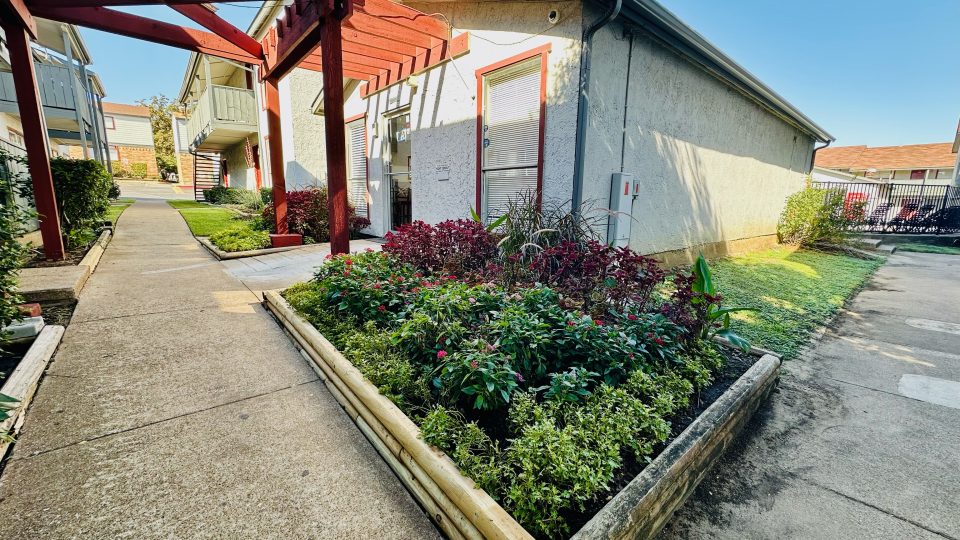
point(211, 21)
point(107, 3)
point(35, 136)
point(294, 37)
point(19, 14)
point(126, 24)
point(444, 51)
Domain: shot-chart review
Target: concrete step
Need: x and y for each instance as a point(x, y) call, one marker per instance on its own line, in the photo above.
point(887, 248)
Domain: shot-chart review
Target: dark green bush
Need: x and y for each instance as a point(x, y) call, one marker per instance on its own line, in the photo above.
point(815, 215)
point(12, 252)
point(83, 194)
point(267, 195)
point(114, 191)
point(224, 195)
point(240, 238)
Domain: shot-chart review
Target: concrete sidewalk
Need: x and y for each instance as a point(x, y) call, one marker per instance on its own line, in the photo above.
point(862, 440)
point(177, 408)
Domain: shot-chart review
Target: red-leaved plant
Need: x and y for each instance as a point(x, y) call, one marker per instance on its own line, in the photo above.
point(307, 213)
point(457, 247)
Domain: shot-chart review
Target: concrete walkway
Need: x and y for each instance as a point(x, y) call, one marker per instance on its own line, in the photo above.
point(862, 440)
point(177, 408)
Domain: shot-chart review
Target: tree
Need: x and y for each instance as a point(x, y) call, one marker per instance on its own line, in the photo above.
point(161, 107)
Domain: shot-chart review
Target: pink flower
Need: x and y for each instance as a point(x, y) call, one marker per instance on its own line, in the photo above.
point(632, 317)
point(519, 377)
point(659, 341)
point(347, 261)
point(472, 300)
point(381, 307)
point(346, 273)
point(571, 323)
point(598, 322)
point(474, 364)
point(441, 354)
point(376, 285)
point(328, 256)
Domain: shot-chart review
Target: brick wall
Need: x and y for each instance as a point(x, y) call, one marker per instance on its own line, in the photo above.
point(137, 154)
point(185, 173)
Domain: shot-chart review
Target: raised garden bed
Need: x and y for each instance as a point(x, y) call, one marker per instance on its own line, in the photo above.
point(516, 389)
point(227, 255)
point(638, 510)
point(62, 282)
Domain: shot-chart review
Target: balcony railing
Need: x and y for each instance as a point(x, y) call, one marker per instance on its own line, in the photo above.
point(225, 112)
point(56, 92)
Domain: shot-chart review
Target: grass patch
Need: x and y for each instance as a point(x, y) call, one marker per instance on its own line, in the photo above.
point(116, 208)
point(930, 248)
point(179, 204)
point(794, 291)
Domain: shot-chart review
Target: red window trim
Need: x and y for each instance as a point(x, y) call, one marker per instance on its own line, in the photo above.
point(117, 146)
point(541, 51)
point(366, 152)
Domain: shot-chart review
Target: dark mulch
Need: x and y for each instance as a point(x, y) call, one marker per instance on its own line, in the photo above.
point(73, 257)
point(737, 364)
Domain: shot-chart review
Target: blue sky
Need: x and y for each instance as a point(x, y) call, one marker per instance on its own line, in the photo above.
point(876, 72)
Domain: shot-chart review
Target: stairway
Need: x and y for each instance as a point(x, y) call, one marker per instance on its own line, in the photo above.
point(206, 172)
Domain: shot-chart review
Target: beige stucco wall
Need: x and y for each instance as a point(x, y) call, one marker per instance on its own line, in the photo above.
point(713, 165)
point(443, 107)
point(241, 174)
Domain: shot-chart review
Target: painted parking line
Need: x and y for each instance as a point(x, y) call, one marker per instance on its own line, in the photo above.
point(931, 390)
point(936, 326)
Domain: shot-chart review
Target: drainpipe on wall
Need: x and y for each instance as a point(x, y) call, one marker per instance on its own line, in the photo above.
point(813, 156)
point(583, 104)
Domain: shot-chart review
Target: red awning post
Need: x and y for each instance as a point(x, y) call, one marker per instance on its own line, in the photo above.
point(275, 149)
point(332, 58)
point(35, 137)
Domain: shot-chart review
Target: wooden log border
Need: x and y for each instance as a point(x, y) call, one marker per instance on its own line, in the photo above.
point(461, 510)
point(22, 384)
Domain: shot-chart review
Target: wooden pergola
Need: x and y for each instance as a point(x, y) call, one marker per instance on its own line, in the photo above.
point(376, 41)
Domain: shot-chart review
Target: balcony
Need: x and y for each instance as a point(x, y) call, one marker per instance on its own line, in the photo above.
point(58, 97)
point(223, 116)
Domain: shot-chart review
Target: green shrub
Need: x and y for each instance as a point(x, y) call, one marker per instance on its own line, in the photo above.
point(12, 252)
point(83, 193)
point(138, 170)
point(224, 195)
point(114, 192)
point(815, 215)
point(267, 195)
point(250, 200)
point(240, 238)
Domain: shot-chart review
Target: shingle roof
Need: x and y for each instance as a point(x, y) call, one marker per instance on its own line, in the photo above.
point(911, 156)
point(123, 108)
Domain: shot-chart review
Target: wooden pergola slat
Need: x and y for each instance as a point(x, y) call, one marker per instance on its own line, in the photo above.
point(211, 21)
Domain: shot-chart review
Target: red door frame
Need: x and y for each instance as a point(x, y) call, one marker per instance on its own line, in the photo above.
point(543, 51)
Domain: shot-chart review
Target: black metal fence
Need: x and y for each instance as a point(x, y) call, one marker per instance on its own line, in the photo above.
point(899, 208)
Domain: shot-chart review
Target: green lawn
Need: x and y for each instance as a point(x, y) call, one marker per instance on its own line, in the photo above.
point(794, 291)
point(929, 248)
point(204, 219)
point(116, 208)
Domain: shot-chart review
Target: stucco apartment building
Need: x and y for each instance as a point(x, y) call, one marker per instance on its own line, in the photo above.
point(583, 102)
point(922, 164)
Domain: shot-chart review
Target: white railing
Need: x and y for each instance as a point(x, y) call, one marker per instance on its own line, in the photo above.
point(224, 107)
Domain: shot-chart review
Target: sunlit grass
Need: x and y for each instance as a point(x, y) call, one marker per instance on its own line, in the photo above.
point(116, 208)
point(204, 219)
point(794, 291)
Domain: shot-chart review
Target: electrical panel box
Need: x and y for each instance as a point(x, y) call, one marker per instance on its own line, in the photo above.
point(623, 189)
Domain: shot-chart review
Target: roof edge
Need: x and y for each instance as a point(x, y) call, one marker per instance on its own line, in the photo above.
point(651, 16)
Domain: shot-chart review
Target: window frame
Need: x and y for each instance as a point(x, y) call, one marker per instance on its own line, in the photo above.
point(366, 154)
point(543, 52)
point(113, 122)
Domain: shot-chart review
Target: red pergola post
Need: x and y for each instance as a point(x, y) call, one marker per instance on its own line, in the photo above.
point(275, 149)
point(35, 137)
point(332, 58)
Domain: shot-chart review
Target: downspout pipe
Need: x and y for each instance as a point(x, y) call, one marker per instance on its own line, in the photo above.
point(813, 155)
point(583, 105)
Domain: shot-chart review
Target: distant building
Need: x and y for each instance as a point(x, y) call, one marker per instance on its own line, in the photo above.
point(130, 138)
point(929, 164)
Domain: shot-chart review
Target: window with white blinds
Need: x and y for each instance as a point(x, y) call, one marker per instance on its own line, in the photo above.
point(357, 165)
point(511, 134)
